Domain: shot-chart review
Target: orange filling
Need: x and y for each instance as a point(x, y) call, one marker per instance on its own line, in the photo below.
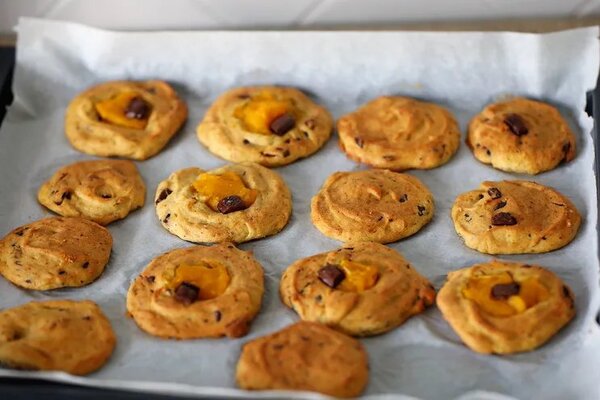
point(479, 290)
point(216, 187)
point(114, 111)
point(210, 277)
point(258, 113)
point(359, 277)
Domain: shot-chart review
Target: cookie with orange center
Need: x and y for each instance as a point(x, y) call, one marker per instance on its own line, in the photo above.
point(100, 190)
point(362, 289)
point(304, 356)
point(521, 135)
point(125, 118)
point(268, 125)
point(197, 292)
point(399, 133)
point(502, 308)
point(513, 217)
point(374, 205)
point(234, 203)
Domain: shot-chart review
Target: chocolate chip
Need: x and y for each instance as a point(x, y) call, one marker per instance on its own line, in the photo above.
point(230, 204)
point(186, 293)
point(62, 272)
point(166, 219)
point(480, 196)
point(503, 218)
point(217, 315)
point(505, 290)
point(359, 142)
point(494, 193)
point(516, 124)
point(403, 198)
point(489, 153)
point(566, 291)
point(106, 196)
point(286, 153)
point(566, 148)
point(421, 210)
point(266, 154)
point(380, 218)
point(19, 233)
point(137, 109)
point(163, 195)
point(246, 141)
point(310, 123)
point(282, 124)
point(85, 265)
point(331, 275)
point(500, 205)
point(150, 278)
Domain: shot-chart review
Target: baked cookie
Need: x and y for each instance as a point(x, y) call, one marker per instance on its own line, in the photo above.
point(124, 118)
point(399, 133)
point(304, 356)
point(197, 292)
point(60, 335)
point(234, 203)
point(101, 190)
point(268, 125)
point(514, 217)
point(374, 205)
point(502, 308)
point(362, 289)
point(55, 252)
point(521, 135)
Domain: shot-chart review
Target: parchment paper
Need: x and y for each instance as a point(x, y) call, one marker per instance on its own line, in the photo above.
point(462, 71)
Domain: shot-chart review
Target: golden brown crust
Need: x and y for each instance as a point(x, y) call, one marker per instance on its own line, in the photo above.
point(55, 252)
point(89, 134)
point(399, 133)
point(63, 335)
point(153, 306)
point(485, 333)
point(400, 291)
point(374, 205)
point(548, 141)
point(224, 135)
point(184, 213)
point(102, 191)
point(304, 356)
point(545, 219)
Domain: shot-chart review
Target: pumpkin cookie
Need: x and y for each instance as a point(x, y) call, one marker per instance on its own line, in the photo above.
point(513, 217)
point(521, 135)
point(502, 308)
point(269, 125)
point(197, 292)
point(60, 335)
point(236, 203)
point(124, 118)
point(304, 356)
point(101, 190)
point(399, 133)
point(362, 289)
point(55, 252)
point(374, 205)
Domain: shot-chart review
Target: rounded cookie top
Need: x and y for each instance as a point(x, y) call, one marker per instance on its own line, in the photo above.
point(399, 133)
point(362, 289)
point(197, 292)
point(236, 203)
point(124, 118)
point(61, 335)
point(374, 205)
point(269, 125)
point(513, 217)
point(101, 190)
point(521, 135)
point(55, 252)
point(304, 356)
point(501, 307)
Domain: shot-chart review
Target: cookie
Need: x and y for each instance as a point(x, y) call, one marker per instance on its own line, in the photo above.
point(234, 203)
point(268, 125)
point(54, 253)
point(399, 133)
point(102, 191)
point(521, 135)
point(58, 335)
point(362, 289)
point(197, 292)
point(513, 217)
point(124, 119)
point(501, 308)
point(374, 205)
point(304, 356)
